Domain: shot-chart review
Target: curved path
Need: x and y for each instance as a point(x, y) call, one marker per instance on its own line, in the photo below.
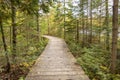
point(56, 63)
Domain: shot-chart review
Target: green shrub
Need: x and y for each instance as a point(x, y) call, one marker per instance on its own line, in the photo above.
point(95, 60)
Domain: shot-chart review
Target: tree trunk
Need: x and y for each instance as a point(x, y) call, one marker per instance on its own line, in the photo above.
point(100, 18)
point(64, 20)
point(10, 37)
point(77, 30)
point(5, 46)
point(107, 26)
point(14, 29)
point(87, 21)
point(83, 22)
point(38, 29)
point(85, 38)
point(90, 21)
point(48, 24)
point(83, 28)
point(114, 35)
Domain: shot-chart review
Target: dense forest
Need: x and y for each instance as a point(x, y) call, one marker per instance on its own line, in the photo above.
point(89, 27)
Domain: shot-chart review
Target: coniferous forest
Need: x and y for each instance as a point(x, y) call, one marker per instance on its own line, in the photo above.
point(89, 27)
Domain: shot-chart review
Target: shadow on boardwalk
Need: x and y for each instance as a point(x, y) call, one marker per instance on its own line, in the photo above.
point(56, 63)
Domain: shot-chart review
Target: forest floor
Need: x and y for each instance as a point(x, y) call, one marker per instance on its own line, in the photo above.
point(56, 63)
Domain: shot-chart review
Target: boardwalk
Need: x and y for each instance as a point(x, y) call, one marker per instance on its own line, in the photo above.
point(56, 63)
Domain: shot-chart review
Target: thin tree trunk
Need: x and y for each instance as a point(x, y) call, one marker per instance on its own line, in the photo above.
point(114, 35)
point(107, 27)
point(5, 46)
point(83, 28)
point(86, 30)
point(27, 35)
point(48, 25)
point(10, 37)
point(87, 24)
point(100, 25)
point(64, 21)
point(83, 22)
point(80, 28)
point(14, 29)
point(38, 29)
point(77, 30)
point(90, 21)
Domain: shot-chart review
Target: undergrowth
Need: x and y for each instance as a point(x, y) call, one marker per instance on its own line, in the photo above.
point(95, 61)
point(23, 62)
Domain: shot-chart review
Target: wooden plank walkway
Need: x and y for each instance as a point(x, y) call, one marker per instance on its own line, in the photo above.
point(56, 63)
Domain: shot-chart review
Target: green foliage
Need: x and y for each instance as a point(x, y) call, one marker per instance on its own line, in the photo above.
point(94, 60)
point(31, 54)
point(26, 59)
point(21, 78)
point(75, 49)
